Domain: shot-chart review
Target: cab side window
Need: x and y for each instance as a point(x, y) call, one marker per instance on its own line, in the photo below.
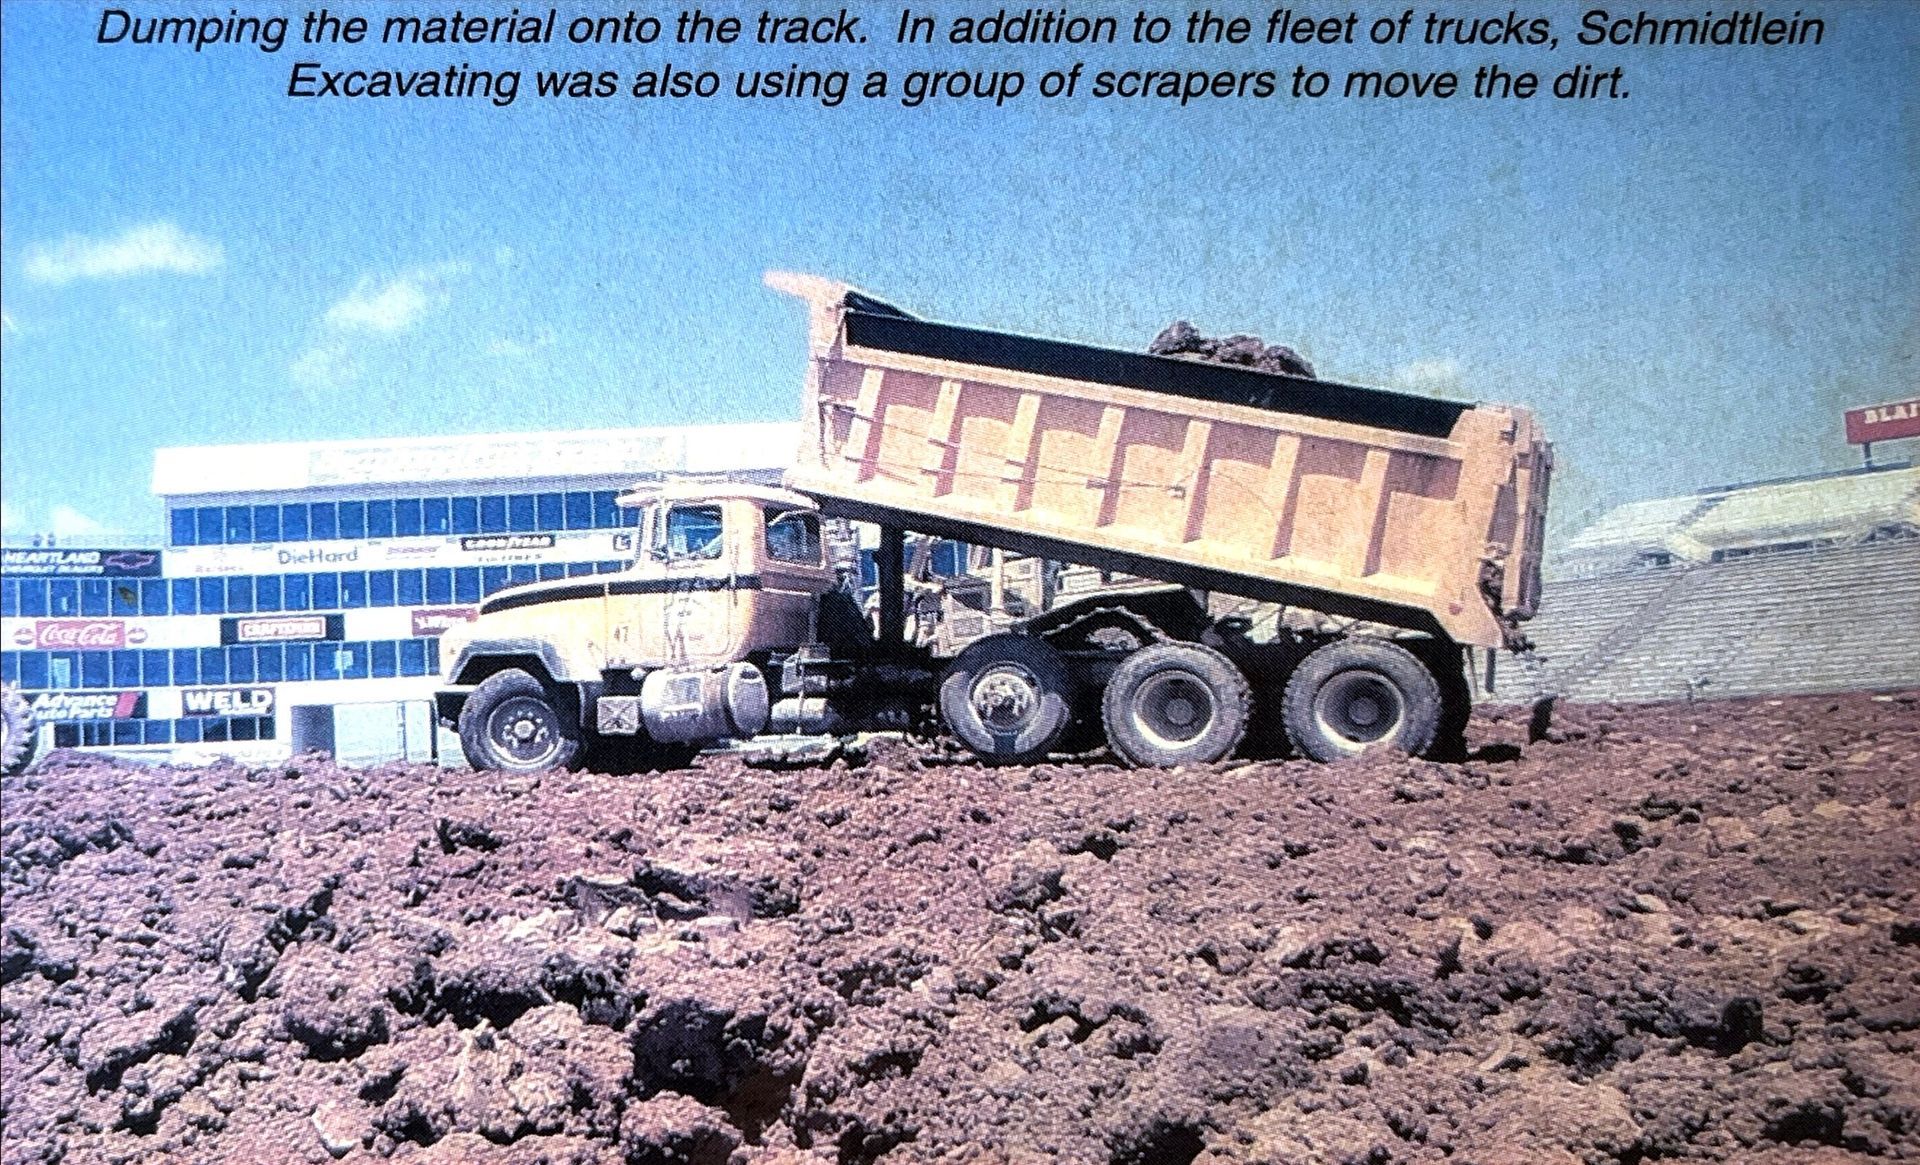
point(793, 536)
point(693, 532)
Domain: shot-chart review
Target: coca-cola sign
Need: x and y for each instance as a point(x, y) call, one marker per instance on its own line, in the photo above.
point(48, 707)
point(78, 634)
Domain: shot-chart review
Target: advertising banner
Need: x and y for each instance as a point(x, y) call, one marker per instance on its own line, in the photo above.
point(74, 562)
point(247, 701)
point(1888, 422)
point(281, 628)
point(68, 707)
point(435, 620)
point(400, 553)
point(77, 634)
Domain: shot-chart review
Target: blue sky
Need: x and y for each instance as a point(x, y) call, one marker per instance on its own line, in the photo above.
point(1689, 284)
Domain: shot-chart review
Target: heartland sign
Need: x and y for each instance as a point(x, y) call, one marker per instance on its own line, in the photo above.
point(111, 563)
point(1888, 422)
point(227, 701)
point(77, 634)
point(64, 707)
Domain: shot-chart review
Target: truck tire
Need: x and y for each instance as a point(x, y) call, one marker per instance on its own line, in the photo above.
point(1175, 703)
point(1359, 694)
point(1008, 698)
point(18, 736)
point(510, 724)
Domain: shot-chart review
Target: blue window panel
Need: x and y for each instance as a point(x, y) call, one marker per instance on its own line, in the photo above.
point(492, 578)
point(386, 660)
point(266, 727)
point(466, 584)
point(549, 512)
point(96, 670)
point(380, 519)
point(126, 732)
point(552, 570)
point(323, 521)
point(180, 528)
point(433, 657)
point(353, 519)
point(493, 514)
point(353, 589)
point(210, 524)
point(9, 597)
point(439, 584)
point(186, 596)
point(408, 588)
point(213, 596)
point(406, 518)
point(239, 525)
point(153, 596)
point(126, 669)
point(186, 731)
point(293, 523)
point(63, 597)
point(298, 661)
point(240, 595)
point(158, 731)
point(94, 594)
point(267, 661)
point(379, 588)
point(577, 569)
point(154, 672)
point(326, 591)
point(9, 667)
point(244, 727)
point(435, 516)
point(579, 511)
point(266, 592)
point(239, 664)
point(186, 666)
point(63, 669)
point(266, 523)
point(630, 517)
point(518, 575)
point(213, 665)
point(413, 657)
point(354, 661)
point(296, 592)
point(33, 669)
point(213, 731)
point(466, 515)
point(606, 512)
point(33, 597)
point(614, 567)
point(123, 596)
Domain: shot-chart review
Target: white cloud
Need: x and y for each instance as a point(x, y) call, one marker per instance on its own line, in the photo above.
point(68, 522)
point(393, 307)
point(12, 517)
point(377, 306)
point(1430, 375)
point(325, 366)
point(159, 246)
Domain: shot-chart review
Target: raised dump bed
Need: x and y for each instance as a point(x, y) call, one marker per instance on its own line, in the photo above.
point(1406, 510)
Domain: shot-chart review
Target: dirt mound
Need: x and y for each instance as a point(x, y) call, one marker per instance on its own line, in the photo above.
point(1680, 932)
point(1182, 339)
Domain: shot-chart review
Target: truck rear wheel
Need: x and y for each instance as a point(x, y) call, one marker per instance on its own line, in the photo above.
point(1175, 703)
point(1008, 698)
point(1359, 694)
point(18, 738)
point(510, 724)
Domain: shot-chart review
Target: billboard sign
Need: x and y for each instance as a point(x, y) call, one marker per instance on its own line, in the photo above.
point(67, 707)
point(73, 562)
point(281, 628)
point(77, 634)
point(436, 620)
point(1888, 422)
point(506, 542)
point(226, 701)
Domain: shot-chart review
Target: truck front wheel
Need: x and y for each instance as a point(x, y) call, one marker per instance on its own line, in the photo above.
point(1358, 694)
point(1008, 698)
point(510, 724)
point(1175, 703)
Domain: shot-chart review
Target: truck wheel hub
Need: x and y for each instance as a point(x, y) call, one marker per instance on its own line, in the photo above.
point(1173, 708)
point(521, 727)
point(1359, 707)
point(1005, 698)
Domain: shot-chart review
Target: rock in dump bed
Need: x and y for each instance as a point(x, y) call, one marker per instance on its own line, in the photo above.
point(1686, 932)
point(1183, 339)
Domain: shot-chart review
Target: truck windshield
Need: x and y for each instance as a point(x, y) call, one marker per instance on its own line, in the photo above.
point(693, 532)
point(793, 536)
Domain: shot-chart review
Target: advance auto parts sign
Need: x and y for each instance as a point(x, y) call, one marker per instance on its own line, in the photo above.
point(226, 701)
point(66, 707)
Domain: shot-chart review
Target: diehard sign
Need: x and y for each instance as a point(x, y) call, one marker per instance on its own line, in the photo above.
point(436, 620)
point(227, 701)
point(64, 707)
point(108, 563)
point(281, 628)
point(1888, 422)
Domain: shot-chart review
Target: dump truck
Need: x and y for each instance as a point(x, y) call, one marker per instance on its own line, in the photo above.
point(1413, 525)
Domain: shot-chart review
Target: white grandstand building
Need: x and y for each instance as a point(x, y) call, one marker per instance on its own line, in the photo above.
point(1794, 586)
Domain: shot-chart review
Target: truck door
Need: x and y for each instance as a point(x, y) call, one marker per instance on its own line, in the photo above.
point(793, 576)
point(698, 613)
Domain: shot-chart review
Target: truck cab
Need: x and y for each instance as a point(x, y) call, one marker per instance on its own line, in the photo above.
point(727, 580)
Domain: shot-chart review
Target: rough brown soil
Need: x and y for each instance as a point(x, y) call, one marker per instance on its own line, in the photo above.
point(1660, 932)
